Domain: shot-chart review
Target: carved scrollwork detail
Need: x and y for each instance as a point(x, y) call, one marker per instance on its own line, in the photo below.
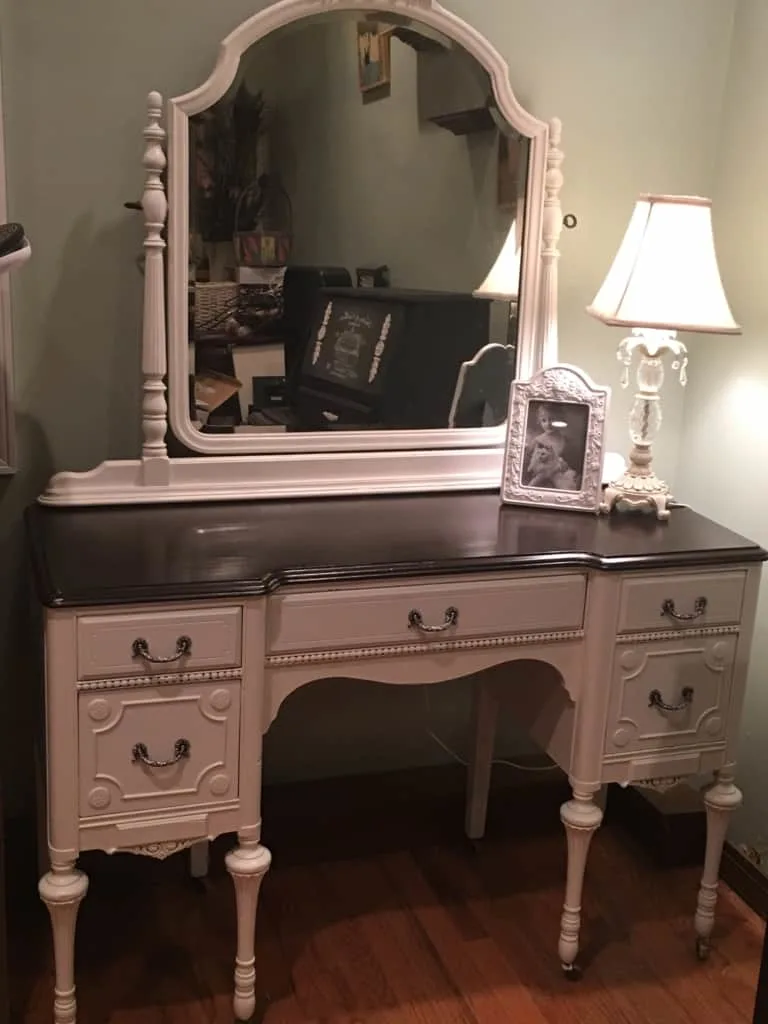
point(98, 709)
point(660, 785)
point(220, 783)
point(718, 654)
point(631, 659)
point(99, 798)
point(622, 736)
point(713, 726)
point(160, 850)
point(221, 699)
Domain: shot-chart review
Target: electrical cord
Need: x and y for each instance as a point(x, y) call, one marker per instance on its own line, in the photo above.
point(457, 757)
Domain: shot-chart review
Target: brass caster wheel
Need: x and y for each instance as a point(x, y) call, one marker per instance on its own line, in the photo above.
point(572, 972)
point(702, 949)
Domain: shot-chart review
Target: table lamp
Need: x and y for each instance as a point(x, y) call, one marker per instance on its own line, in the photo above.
point(664, 279)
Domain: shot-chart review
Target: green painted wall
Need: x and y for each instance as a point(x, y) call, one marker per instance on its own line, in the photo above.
point(639, 88)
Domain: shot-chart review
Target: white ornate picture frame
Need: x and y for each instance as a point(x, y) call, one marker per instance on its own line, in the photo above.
point(555, 430)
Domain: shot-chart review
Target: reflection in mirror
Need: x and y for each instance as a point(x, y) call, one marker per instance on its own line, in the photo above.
point(356, 210)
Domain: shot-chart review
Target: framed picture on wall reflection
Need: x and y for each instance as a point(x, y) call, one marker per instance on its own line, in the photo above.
point(554, 450)
point(374, 65)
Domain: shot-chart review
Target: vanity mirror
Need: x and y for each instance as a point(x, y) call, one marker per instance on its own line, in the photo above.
point(361, 255)
point(347, 142)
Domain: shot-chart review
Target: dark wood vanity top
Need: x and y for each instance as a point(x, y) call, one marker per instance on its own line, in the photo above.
point(122, 555)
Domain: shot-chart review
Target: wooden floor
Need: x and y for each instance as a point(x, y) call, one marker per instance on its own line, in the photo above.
point(396, 932)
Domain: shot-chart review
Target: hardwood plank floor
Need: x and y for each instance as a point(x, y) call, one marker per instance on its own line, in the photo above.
point(398, 932)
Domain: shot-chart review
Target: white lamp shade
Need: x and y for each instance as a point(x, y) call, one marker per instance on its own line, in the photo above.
point(665, 274)
point(16, 258)
point(503, 281)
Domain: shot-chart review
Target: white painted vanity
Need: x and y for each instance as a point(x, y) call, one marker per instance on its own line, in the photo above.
point(186, 598)
point(174, 634)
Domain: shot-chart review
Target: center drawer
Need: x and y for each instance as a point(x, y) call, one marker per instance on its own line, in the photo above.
point(419, 613)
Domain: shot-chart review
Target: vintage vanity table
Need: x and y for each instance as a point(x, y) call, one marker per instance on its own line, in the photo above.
point(185, 599)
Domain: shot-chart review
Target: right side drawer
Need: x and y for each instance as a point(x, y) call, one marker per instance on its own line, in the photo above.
point(681, 600)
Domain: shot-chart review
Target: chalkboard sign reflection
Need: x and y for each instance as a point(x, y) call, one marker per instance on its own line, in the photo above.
point(351, 343)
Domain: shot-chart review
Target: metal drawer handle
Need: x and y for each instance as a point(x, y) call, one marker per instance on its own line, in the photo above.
point(181, 749)
point(699, 607)
point(140, 649)
point(415, 621)
point(655, 700)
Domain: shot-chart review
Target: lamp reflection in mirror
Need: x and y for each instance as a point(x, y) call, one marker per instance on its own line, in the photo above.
point(664, 279)
point(503, 280)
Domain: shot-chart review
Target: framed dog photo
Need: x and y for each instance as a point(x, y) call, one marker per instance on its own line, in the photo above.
point(554, 451)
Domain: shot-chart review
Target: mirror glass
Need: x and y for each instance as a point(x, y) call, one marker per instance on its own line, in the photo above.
point(357, 208)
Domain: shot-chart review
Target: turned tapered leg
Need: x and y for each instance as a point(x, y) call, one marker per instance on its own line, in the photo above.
point(485, 711)
point(198, 859)
point(581, 817)
point(62, 890)
point(247, 864)
point(720, 800)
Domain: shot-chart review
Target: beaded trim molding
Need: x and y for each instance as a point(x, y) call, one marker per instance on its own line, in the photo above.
point(162, 679)
point(396, 650)
point(435, 647)
point(676, 634)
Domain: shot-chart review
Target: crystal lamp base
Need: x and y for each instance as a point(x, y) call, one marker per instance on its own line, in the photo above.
point(638, 488)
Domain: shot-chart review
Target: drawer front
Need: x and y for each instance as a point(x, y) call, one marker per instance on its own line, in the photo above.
point(106, 644)
point(681, 600)
point(375, 616)
point(157, 748)
point(674, 694)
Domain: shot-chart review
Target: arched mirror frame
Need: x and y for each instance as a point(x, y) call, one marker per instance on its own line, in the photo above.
point(229, 467)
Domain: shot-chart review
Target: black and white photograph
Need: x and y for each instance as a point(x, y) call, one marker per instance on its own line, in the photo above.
point(555, 445)
point(554, 451)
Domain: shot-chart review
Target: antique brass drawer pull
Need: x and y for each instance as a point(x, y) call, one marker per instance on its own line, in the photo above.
point(655, 700)
point(415, 621)
point(181, 749)
point(141, 650)
point(699, 607)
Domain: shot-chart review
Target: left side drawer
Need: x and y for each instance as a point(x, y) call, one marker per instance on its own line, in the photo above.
point(146, 642)
point(152, 748)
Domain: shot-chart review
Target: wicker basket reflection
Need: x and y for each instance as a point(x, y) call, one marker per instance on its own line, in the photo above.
point(214, 303)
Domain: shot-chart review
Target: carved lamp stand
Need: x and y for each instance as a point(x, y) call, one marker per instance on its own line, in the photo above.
point(664, 279)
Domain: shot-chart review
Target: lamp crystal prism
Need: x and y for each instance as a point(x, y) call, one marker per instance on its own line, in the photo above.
point(664, 279)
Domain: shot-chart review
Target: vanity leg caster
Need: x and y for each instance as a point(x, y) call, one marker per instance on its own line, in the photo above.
point(703, 949)
point(720, 801)
point(571, 972)
point(247, 864)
